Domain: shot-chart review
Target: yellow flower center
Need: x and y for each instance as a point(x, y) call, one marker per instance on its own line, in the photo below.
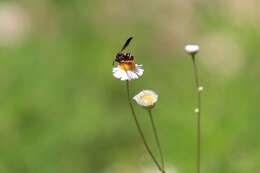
point(128, 65)
point(148, 98)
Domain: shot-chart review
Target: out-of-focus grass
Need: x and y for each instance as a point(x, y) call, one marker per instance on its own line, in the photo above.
point(61, 110)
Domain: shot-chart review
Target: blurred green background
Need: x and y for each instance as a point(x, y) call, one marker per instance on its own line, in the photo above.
point(61, 110)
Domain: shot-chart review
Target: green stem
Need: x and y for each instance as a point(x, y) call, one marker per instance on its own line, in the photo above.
point(198, 113)
point(157, 139)
point(139, 128)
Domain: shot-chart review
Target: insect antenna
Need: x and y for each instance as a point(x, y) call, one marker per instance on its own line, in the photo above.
point(126, 43)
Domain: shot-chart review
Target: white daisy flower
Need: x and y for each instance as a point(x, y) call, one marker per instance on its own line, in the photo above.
point(192, 48)
point(128, 71)
point(146, 98)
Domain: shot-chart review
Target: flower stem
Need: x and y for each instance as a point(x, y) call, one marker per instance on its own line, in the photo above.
point(157, 139)
point(198, 112)
point(139, 128)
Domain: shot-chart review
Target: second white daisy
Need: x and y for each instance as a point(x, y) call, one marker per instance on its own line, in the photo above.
point(192, 48)
point(128, 71)
point(146, 98)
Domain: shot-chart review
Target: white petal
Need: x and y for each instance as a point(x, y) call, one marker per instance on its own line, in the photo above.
point(124, 76)
point(139, 72)
point(138, 69)
point(117, 74)
point(116, 68)
point(136, 98)
point(132, 75)
point(129, 75)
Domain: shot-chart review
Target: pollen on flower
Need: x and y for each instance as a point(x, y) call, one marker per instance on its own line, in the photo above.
point(148, 98)
point(129, 65)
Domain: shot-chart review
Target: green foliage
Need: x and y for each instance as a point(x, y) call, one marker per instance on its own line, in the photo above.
point(61, 110)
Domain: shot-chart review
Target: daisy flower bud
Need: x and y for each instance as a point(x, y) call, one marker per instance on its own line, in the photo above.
point(196, 110)
point(192, 48)
point(128, 70)
point(200, 88)
point(146, 98)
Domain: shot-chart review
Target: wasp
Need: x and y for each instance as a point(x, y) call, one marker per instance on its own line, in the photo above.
point(124, 57)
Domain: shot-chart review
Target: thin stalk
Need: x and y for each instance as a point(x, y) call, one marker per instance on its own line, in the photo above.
point(139, 128)
point(157, 139)
point(198, 113)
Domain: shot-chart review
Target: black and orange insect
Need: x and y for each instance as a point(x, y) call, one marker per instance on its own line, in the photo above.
point(124, 57)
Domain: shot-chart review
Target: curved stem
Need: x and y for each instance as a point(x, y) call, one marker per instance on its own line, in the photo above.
point(198, 113)
point(139, 128)
point(157, 139)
